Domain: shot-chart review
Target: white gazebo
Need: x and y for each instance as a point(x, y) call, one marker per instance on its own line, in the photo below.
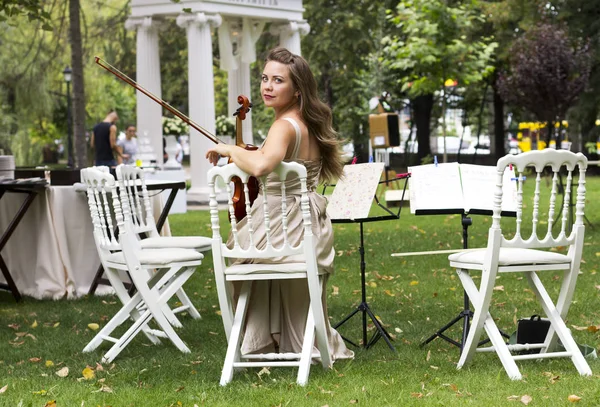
point(238, 24)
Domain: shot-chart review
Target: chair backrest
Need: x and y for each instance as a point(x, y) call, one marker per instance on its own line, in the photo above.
point(136, 200)
point(531, 203)
point(103, 202)
point(269, 211)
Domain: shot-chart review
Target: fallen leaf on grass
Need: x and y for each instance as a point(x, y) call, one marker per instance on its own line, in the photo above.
point(335, 290)
point(2, 390)
point(263, 371)
point(49, 363)
point(41, 392)
point(354, 401)
point(51, 403)
point(104, 389)
point(593, 328)
point(64, 372)
point(414, 282)
point(93, 326)
point(14, 326)
point(499, 288)
point(526, 399)
point(579, 328)
point(88, 373)
point(573, 398)
point(35, 324)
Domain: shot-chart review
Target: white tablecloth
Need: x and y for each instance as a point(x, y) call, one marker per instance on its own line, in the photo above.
point(52, 253)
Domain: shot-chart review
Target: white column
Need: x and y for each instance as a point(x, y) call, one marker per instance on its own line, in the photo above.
point(201, 90)
point(238, 78)
point(149, 113)
point(289, 34)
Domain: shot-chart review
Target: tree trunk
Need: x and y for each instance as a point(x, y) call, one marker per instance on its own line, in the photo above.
point(79, 138)
point(422, 107)
point(499, 136)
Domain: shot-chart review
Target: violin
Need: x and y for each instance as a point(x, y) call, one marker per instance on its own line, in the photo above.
point(238, 198)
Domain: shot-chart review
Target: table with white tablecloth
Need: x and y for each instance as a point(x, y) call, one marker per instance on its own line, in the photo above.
point(52, 253)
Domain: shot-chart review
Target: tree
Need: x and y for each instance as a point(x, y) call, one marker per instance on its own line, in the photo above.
point(79, 138)
point(507, 20)
point(547, 73)
point(435, 41)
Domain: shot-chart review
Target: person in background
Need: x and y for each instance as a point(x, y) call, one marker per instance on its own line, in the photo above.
point(128, 146)
point(104, 141)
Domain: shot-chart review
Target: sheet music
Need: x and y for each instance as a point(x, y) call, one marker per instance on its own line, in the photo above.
point(434, 187)
point(353, 194)
point(459, 186)
point(479, 185)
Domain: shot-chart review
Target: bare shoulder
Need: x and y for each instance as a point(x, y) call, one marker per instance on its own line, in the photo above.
point(282, 128)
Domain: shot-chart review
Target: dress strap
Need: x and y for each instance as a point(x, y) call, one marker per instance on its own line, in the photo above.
point(298, 136)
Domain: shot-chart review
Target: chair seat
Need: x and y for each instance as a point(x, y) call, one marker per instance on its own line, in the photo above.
point(510, 256)
point(159, 256)
point(199, 243)
point(241, 269)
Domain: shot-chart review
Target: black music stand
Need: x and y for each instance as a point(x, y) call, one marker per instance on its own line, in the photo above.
point(470, 182)
point(363, 307)
point(466, 314)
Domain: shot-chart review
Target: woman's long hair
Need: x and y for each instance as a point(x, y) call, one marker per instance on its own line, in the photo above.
point(315, 113)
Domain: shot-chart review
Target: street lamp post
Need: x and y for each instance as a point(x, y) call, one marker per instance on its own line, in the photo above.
point(68, 74)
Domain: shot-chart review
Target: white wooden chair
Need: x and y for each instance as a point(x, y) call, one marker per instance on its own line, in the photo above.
point(247, 273)
point(173, 267)
point(525, 254)
point(134, 196)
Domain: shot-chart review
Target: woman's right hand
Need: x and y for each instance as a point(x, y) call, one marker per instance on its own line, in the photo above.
point(220, 150)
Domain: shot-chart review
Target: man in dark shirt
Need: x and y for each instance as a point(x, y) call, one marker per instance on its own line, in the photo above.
point(104, 141)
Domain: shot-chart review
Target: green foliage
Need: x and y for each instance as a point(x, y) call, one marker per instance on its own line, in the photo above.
point(32, 9)
point(436, 41)
point(343, 48)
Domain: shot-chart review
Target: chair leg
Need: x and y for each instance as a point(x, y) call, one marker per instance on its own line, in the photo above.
point(116, 282)
point(470, 346)
point(235, 336)
point(154, 298)
point(491, 329)
point(185, 300)
point(307, 348)
point(315, 293)
point(559, 325)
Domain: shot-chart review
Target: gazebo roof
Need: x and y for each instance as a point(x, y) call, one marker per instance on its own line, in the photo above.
point(272, 10)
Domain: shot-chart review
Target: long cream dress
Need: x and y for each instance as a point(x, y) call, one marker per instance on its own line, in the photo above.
point(277, 309)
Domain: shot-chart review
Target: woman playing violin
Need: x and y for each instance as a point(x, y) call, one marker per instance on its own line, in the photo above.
point(302, 132)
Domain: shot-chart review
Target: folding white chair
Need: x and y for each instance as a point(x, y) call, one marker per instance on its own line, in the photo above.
point(248, 273)
point(134, 195)
point(519, 253)
point(173, 267)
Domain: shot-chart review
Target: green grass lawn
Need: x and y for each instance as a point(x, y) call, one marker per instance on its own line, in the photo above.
point(413, 296)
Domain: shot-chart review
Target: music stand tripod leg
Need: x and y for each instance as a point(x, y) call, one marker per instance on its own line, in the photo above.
point(466, 312)
point(364, 308)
